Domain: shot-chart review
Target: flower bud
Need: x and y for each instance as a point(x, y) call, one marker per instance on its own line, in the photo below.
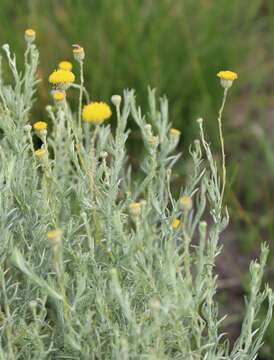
point(30, 36)
point(153, 141)
point(116, 100)
point(186, 203)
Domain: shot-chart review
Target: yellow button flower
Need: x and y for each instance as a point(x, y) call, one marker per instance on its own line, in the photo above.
point(40, 125)
point(227, 77)
point(61, 77)
point(65, 65)
point(96, 112)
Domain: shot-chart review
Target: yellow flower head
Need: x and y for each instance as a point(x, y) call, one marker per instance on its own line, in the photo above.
point(186, 202)
point(58, 96)
point(30, 35)
point(40, 125)
point(61, 77)
point(227, 78)
point(96, 112)
point(227, 75)
point(41, 153)
point(65, 65)
point(174, 133)
point(175, 223)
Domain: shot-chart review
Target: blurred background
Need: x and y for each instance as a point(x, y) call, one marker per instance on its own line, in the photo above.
point(178, 46)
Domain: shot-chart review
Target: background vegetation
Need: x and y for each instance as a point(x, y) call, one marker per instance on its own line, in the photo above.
point(178, 46)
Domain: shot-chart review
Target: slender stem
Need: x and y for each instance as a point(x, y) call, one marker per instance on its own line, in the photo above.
point(76, 86)
point(81, 94)
point(222, 144)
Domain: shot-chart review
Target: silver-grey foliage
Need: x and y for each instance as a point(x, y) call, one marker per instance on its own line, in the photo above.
point(115, 285)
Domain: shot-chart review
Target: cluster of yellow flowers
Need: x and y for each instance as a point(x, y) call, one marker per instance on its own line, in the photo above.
point(96, 113)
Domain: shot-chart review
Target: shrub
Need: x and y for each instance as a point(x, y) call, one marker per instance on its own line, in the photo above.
point(99, 260)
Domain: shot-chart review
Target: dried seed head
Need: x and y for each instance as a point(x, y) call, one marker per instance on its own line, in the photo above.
point(78, 52)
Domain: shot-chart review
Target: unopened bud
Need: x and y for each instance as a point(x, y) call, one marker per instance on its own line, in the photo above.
point(116, 100)
point(30, 35)
point(186, 203)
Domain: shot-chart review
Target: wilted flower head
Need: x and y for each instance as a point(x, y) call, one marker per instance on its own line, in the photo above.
point(78, 52)
point(30, 35)
point(227, 77)
point(65, 65)
point(135, 209)
point(96, 112)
